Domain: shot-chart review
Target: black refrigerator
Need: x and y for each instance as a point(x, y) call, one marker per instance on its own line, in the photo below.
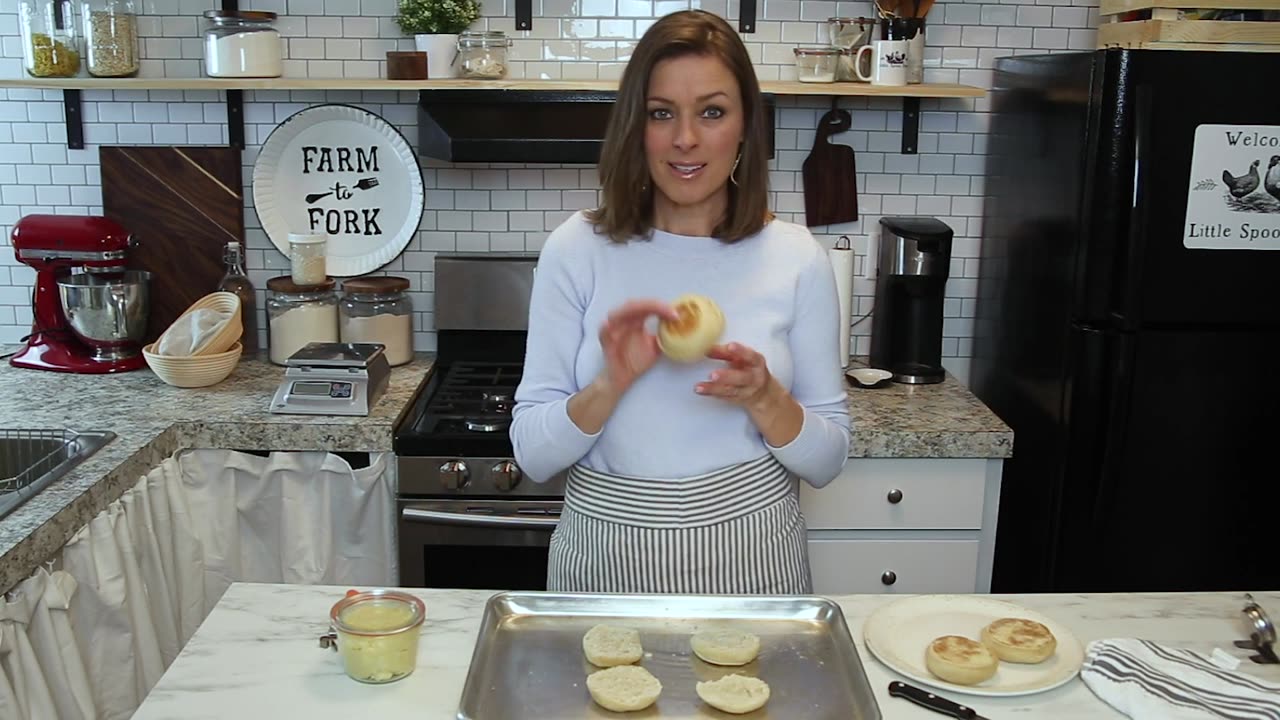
point(1128, 320)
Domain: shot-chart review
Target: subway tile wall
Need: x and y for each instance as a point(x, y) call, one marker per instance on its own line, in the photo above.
point(493, 207)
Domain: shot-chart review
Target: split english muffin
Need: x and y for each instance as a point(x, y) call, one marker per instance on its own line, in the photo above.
point(697, 330)
point(737, 694)
point(610, 645)
point(625, 688)
point(960, 660)
point(725, 647)
point(1018, 640)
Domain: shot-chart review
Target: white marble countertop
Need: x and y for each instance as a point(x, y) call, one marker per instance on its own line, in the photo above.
point(257, 655)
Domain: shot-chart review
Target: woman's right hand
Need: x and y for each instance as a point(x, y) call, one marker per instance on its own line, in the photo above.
point(629, 348)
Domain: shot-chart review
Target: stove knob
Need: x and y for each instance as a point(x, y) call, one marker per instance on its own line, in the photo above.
point(506, 476)
point(454, 475)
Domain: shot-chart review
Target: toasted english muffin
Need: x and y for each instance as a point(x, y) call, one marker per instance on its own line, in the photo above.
point(737, 694)
point(625, 688)
point(1018, 640)
point(725, 647)
point(610, 645)
point(960, 660)
point(698, 330)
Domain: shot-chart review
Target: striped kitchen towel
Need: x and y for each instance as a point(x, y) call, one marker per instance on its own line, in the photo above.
point(1147, 681)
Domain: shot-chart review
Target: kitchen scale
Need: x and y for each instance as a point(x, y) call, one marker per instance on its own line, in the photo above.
point(333, 379)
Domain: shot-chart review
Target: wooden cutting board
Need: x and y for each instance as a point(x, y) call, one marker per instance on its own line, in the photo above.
point(830, 191)
point(183, 204)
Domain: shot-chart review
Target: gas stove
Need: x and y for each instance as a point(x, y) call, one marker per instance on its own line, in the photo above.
point(454, 441)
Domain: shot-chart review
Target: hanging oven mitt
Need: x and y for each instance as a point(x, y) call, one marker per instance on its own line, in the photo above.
point(1149, 681)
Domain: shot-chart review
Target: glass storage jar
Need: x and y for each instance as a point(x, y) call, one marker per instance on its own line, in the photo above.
point(111, 37)
point(483, 55)
point(50, 42)
point(242, 44)
point(377, 310)
point(376, 633)
point(816, 64)
point(299, 314)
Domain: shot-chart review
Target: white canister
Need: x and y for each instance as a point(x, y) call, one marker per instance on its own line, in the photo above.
point(299, 315)
point(307, 259)
point(242, 44)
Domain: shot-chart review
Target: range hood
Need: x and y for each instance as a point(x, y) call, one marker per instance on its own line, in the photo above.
point(520, 126)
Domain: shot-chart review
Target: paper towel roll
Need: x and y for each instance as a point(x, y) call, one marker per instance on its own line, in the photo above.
point(842, 266)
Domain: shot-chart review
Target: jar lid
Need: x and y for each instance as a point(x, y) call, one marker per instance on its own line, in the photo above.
point(377, 612)
point(285, 284)
point(376, 285)
point(817, 51)
point(249, 15)
point(853, 20)
point(301, 239)
point(485, 38)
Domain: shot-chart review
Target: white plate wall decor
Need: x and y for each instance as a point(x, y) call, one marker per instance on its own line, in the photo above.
point(343, 172)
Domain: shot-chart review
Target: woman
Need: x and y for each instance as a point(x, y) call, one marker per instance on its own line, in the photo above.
point(680, 474)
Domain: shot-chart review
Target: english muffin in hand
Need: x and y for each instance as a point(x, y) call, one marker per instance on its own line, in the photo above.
point(697, 331)
point(1018, 640)
point(960, 660)
point(610, 645)
point(625, 688)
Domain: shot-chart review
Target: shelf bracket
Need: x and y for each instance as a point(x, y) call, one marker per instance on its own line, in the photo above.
point(910, 125)
point(524, 14)
point(235, 118)
point(73, 112)
point(747, 16)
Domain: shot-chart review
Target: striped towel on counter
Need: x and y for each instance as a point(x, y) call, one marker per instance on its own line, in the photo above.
point(1147, 681)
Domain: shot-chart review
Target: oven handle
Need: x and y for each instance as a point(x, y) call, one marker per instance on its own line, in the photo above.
point(418, 515)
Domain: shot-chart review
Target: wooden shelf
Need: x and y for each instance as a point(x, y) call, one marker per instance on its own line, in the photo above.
point(773, 87)
point(1115, 7)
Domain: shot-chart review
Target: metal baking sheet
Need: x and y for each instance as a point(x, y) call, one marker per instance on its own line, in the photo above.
point(528, 660)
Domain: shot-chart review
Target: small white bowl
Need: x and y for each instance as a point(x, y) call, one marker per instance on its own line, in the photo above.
point(869, 377)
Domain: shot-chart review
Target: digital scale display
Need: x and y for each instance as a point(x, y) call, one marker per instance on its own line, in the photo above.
point(336, 390)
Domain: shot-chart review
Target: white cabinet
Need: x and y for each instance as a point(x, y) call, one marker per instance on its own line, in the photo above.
point(908, 525)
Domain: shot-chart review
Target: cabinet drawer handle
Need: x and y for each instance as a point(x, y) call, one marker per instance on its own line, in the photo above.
point(889, 577)
point(895, 496)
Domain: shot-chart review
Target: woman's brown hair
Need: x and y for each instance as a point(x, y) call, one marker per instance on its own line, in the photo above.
point(626, 208)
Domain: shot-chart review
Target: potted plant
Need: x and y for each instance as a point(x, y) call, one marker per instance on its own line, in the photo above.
point(435, 25)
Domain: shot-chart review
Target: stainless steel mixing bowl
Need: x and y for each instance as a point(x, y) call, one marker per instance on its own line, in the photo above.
point(107, 312)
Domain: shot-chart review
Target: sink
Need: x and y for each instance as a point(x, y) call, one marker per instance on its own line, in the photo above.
point(32, 459)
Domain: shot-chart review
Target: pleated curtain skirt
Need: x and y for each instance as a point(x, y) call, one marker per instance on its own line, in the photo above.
point(733, 531)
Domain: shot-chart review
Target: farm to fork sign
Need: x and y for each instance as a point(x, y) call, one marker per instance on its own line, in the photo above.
point(1233, 197)
point(343, 172)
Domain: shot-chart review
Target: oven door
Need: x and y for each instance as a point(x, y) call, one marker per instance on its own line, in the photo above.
point(475, 544)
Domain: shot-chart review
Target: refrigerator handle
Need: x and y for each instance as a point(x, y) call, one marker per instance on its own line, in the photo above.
point(1130, 272)
point(1116, 424)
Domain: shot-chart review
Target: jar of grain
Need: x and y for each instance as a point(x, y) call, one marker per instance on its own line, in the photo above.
point(50, 42)
point(111, 36)
point(377, 310)
point(298, 315)
point(482, 55)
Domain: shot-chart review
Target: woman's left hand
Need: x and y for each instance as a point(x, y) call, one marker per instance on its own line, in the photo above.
point(745, 381)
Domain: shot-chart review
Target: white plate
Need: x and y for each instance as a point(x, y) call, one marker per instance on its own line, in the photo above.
point(367, 226)
point(898, 633)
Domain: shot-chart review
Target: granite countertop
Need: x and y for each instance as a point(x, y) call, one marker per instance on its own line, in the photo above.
point(153, 420)
point(257, 655)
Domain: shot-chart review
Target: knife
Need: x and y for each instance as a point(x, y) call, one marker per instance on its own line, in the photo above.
point(926, 699)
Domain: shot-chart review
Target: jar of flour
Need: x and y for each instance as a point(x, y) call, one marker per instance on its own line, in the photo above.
point(378, 310)
point(298, 315)
point(242, 44)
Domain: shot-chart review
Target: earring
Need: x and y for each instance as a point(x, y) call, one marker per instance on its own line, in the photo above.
point(736, 160)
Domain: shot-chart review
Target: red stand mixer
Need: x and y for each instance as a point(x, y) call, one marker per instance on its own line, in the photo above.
point(90, 322)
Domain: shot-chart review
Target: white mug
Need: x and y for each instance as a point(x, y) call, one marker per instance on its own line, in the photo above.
point(889, 62)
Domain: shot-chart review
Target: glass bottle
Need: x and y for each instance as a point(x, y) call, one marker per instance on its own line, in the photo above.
point(237, 281)
point(50, 42)
point(111, 37)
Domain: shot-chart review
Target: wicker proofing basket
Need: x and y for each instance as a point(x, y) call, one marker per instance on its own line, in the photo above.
point(229, 334)
point(195, 371)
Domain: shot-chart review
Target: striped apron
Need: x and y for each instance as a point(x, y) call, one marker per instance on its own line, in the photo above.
point(733, 531)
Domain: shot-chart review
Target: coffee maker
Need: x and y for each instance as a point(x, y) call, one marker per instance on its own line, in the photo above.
point(88, 322)
point(911, 279)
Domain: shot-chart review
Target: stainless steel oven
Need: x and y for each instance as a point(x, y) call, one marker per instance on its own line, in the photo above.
point(477, 544)
point(467, 516)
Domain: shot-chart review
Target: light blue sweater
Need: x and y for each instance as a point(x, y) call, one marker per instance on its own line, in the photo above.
point(778, 295)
